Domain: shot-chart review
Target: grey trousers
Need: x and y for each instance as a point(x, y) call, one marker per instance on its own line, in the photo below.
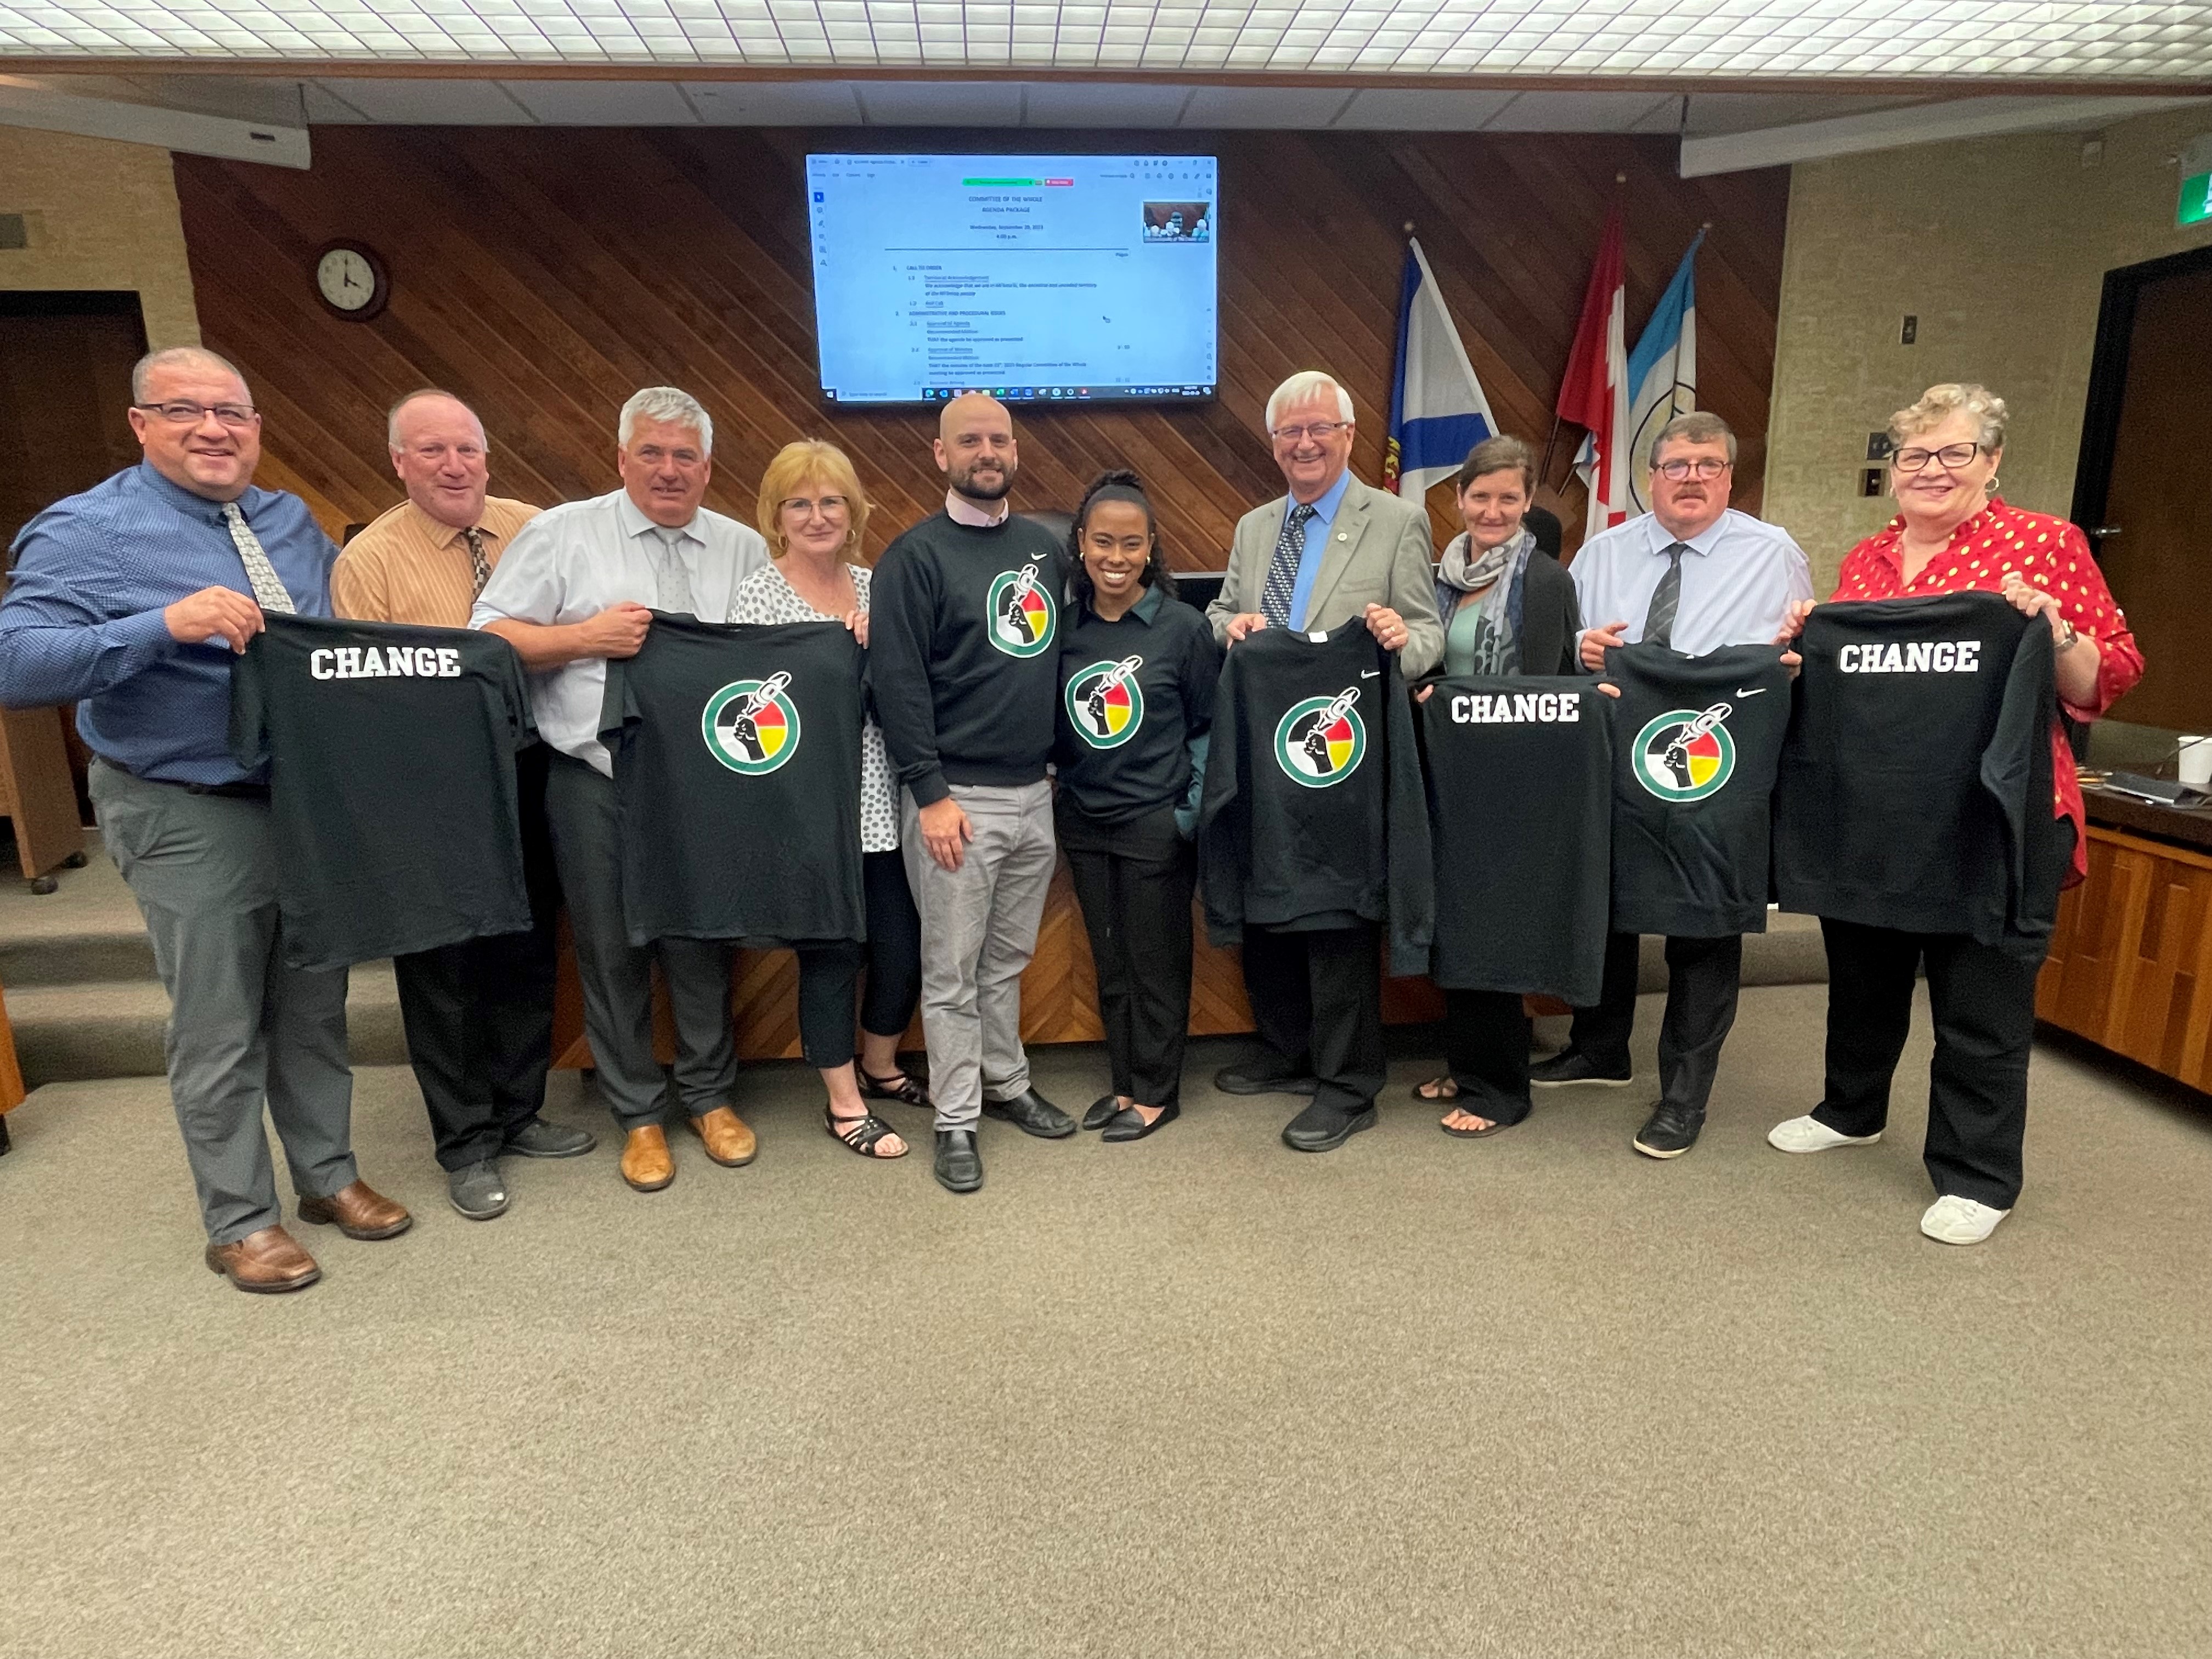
point(979, 929)
point(581, 808)
point(242, 1026)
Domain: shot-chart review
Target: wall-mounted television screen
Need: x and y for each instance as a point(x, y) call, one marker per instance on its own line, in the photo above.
point(1037, 278)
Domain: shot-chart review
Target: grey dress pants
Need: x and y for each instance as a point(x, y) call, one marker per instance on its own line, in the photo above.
point(979, 930)
point(243, 1027)
point(583, 812)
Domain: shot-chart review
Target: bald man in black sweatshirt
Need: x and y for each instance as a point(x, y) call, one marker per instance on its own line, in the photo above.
point(964, 635)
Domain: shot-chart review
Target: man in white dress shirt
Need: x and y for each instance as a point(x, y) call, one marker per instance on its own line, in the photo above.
point(579, 585)
point(1696, 574)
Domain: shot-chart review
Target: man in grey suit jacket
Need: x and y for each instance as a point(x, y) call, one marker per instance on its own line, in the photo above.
point(1353, 551)
point(1330, 551)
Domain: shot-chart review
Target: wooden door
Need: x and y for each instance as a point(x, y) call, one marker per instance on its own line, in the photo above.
point(2151, 538)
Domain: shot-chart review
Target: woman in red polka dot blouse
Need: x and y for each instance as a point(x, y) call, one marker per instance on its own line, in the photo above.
point(1953, 533)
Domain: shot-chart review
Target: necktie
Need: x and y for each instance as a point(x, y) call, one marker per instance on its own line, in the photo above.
point(1666, 600)
point(479, 565)
point(1283, 567)
point(268, 590)
point(672, 580)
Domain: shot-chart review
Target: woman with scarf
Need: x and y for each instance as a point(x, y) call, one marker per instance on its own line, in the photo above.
point(1507, 608)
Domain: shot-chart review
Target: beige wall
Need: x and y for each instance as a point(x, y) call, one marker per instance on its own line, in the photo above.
point(101, 216)
point(1999, 247)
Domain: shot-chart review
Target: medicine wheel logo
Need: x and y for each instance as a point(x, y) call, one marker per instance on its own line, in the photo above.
point(1685, 755)
point(752, 726)
point(1021, 613)
point(1104, 703)
point(1320, 741)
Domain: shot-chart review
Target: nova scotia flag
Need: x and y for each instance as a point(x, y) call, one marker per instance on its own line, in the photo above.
point(1438, 412)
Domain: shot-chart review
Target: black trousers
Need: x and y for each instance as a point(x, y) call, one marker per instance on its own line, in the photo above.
point(1702, 979)
point(1487, 1040)
point(892, 954)
point(479, 1014)
point(1134, 881)
point(1983, 1003)
point(1317, 999)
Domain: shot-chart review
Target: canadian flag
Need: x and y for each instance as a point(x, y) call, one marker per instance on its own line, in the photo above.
point(1594, 393)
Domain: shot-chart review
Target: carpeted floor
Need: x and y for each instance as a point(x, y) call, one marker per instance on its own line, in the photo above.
point(1529, 1396)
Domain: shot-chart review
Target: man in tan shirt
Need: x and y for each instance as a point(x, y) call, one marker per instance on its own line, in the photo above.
point(478, 1014)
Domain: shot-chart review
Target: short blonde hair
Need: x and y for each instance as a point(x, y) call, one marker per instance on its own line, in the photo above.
point(808, 461)
point(1939, 402)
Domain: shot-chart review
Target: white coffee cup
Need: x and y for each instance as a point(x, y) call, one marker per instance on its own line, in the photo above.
point(2196, 762)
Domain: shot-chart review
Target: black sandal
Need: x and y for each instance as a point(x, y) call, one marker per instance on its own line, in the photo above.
point(1446, 1081)
point(862, 1133)
point(899, 1087)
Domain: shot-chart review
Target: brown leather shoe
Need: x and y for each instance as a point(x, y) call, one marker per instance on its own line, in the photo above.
point(646, 1163)
point(268, 1262)
point(361, 1212)
point(729, 1141)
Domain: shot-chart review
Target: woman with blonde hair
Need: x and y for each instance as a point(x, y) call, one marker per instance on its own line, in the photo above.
point(1953, 533)
point(812, 511)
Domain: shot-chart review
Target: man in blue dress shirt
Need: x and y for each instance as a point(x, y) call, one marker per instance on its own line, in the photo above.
point(1696, 574)
point(132, 600)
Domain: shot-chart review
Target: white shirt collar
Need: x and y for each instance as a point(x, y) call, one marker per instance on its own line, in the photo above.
point(1703, 543)
point(961, 510)
point(631, 517)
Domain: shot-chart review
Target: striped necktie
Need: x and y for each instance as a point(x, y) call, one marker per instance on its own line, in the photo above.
point(1283, 568)
point(479, 565)
point(1666, 600)
point(269, 590)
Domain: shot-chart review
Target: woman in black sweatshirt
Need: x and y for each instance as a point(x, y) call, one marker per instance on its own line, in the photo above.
point(1137, 669)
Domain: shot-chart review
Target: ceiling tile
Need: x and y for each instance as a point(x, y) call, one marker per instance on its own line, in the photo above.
point(942, 103)
point(604, 103)
point(430, 103)
point(1263, 106)
point(774, 104)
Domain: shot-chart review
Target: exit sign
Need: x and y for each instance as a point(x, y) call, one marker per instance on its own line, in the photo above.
point(2194, 206)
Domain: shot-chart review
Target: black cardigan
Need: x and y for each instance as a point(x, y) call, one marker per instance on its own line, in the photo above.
point(1551, 616)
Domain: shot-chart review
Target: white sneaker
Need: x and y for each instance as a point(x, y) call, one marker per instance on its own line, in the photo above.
point(1954, 1220)
point(1806, 1135)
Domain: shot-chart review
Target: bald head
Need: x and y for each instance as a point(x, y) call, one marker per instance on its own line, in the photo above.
point(975, 448)
point(440, 456)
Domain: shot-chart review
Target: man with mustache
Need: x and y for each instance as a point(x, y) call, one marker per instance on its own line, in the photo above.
point(1695, 575)
point(964, 615)
point(133, 600)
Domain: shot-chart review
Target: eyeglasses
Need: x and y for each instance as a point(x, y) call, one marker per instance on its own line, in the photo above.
point(1316, 430)
point(1704, 467)
point(231, 415)
point(1951, 456)
point(828, 504)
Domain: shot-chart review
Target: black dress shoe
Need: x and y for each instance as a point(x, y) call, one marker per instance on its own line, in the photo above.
point(1129, 1124)
point(1571, 1066)
point(1032, 1114)
point(1102, 1112)
point(1671, 1131)
point(1321, 1128)
point(1265, 1076)
point(959, 1165)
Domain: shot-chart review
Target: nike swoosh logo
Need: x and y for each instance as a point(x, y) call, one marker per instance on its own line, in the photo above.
point(1761, 692)
point(1370, 673)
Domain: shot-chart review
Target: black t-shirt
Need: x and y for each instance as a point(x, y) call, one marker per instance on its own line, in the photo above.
point(1916, 786)
point(1133, 693)
point(1313, 814)
point(1520, 775)
point(1696, 741)
point(391, 777)
point(737, 758)
point(964, 626)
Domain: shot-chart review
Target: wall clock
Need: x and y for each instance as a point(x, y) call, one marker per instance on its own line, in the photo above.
point(351, 282)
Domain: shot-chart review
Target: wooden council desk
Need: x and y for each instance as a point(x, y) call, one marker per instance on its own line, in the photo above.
point(2130, 961)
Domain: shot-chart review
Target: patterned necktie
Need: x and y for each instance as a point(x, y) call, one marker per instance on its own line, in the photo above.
point(479, 565)
point(268, 590)
point(1283, 568)
point(672, 580)
point(1666, 600)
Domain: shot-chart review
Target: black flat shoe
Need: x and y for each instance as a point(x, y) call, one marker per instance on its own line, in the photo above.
point(1129, 1123)
point(1263, 1077)
point(1033, 1115)
point(959, 1166)
point(1102, 1112)
point(1324, 1128)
